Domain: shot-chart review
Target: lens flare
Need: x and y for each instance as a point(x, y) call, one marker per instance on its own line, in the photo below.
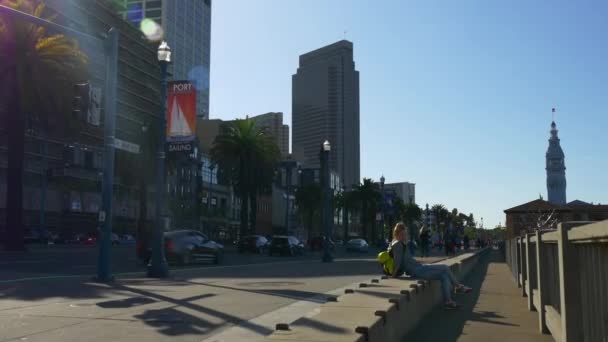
point(151, 30)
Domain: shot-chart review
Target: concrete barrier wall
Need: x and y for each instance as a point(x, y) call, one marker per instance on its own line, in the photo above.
point(564, 276)
point(381, 310)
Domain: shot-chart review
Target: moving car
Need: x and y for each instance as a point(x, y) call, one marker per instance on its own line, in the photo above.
point(185, 247)
point(285, 245)
point(316, 243)
point(357, 245)
point(253, 244)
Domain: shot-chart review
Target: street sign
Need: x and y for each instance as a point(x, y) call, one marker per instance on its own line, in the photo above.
point(126, 146)
point(181, 147)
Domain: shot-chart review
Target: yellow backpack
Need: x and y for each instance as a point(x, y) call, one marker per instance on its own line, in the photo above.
point(387, 262)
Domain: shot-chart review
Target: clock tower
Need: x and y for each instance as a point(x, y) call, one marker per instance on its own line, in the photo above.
point(556, 169)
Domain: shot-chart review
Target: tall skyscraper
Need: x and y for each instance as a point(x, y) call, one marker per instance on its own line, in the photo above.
point(273, 122)
point(186, 26)
point(325, 106)
point(556, 169)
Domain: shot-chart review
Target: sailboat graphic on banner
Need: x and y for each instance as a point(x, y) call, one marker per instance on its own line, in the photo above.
point(179, 125)
point(181, 112)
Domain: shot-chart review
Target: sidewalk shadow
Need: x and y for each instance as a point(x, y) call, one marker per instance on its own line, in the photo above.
point(320, 326)
point(315, 297)
point(448, 325)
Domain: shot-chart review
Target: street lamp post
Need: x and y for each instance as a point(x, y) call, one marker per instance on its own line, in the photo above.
point(158, 265)
point(345, 212)
point(327, 212)
point(382, 179)
point(211, 167)
point(105, 215)
point(288, 165)
point(287, 191)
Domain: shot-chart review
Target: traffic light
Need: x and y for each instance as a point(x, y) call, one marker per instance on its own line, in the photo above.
point(80, 102)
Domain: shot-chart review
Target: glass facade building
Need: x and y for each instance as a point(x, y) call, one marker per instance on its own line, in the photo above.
point(186, 26)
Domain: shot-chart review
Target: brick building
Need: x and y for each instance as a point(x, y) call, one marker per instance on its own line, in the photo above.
point(524, 217)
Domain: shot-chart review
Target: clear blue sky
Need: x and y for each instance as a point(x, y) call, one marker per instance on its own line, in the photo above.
point(456, 96)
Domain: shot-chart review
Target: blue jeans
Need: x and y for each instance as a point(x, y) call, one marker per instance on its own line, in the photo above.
point(441, 273)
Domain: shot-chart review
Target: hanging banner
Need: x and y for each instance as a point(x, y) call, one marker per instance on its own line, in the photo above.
point(181, 111)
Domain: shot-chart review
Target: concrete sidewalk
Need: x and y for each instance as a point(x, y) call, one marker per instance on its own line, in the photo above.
point(495, 311)
point(213, 303)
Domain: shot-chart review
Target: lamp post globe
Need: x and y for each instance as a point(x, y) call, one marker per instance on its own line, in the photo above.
point(164, 52)
point(158, 267)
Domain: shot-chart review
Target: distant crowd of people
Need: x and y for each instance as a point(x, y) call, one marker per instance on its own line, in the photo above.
point(451, 241)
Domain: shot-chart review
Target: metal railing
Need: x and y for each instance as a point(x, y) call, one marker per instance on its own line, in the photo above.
point(564, 276)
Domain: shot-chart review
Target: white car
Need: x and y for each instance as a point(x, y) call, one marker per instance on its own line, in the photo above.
point(357, 245)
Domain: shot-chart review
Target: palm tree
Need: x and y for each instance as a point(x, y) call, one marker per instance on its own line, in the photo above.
point(344, 201)
point(411, 213)
point(441, 213)
point(308, 201)
point(246, 156)
point(471, 220)
point(367, 195)
point(36, 69)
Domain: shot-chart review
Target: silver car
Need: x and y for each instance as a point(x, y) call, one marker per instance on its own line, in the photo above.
point(357, 245)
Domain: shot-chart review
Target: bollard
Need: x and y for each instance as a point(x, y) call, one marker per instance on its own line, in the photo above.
point(363, 331)
point(282, 326)
point(381, 313)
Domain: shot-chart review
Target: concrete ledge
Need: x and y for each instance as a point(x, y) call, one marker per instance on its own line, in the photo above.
point(378, 310)
point(554, 322)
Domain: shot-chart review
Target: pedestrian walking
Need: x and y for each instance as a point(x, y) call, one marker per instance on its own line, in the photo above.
point(425, 237)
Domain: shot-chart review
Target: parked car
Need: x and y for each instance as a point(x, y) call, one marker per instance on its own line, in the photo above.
point(316, 243)
point(253, 244)
point(89, 240)
point(186, 247)
point(81, 239)
point(37, 235)
point(62, 238)
point(285, 245)
point(127, 240)
point(357, 245)
point(115, 239)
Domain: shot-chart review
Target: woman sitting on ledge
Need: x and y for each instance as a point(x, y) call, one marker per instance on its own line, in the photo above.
point(405, 263)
